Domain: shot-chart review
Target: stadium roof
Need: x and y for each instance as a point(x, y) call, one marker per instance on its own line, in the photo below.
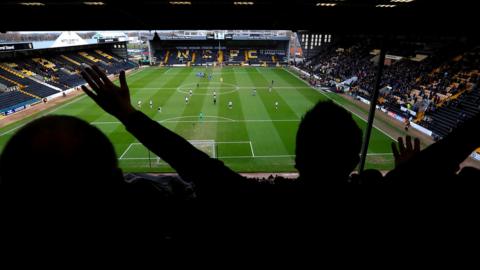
point(69, 38)
point(348, 16)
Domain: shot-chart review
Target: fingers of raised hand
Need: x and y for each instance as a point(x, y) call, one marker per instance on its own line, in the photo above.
point(89, 80)
point(95, 78)
point(416, 145)
point(101, 75)
point(408, 144)
point(123, 80)
point(395, 152)
point(401, 146)
point(89, 92)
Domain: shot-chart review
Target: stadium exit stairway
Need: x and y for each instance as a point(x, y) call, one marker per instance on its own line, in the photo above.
point(220, 57)
point(167, 56)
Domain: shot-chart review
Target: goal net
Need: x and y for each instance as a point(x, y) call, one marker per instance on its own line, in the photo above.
point(206, 146)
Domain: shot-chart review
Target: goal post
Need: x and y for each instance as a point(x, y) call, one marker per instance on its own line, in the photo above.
point(206, 146)
point(138, 156)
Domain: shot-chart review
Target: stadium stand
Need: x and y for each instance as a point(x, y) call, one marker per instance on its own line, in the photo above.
point(230, 57)
point(36, 77)
point(28, 85)
point(14, 99)
point(441, 87)
point(235, 56)
point(7, 83)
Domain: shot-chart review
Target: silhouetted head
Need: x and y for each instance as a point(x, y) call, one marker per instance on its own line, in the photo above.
point(328, 144)
point(59, 153)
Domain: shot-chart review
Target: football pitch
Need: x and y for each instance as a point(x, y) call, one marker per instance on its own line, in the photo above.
point(253, 135)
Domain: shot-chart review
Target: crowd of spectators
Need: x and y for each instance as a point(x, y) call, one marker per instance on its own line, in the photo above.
point(426, 84)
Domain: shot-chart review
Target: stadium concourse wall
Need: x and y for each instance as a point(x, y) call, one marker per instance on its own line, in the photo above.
point(475, 155)
point(18, 107)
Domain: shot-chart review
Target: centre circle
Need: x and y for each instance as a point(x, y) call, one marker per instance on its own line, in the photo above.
point(207, 88)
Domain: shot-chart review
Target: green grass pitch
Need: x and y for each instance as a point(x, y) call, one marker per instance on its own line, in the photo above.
point(252, 136)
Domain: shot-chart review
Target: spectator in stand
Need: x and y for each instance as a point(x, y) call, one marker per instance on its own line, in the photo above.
point(57, 148)
point(60, 180)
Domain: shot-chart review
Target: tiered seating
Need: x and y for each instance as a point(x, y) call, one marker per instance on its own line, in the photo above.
point(7, 74)
point(39, 77)
point(208, 56)
point(70, 60)
point(115, 68)
point(10, 72)
point(236, 56)
point(19, 67)
point(198, 57)
point(76, 57)
point(446, 85)
point(251, 56)
point(229, 57)
point(45, 63)
point(110, 67)
point(180, 57)
point(40, 90)
point(7, 82)
point(106, 55)
point(56, 83)
point(72, 80)
point(65, 64)
point(265, 58)
point(444, 119)
point(9, 100)
point(30, 67)
point(29, 86)
point(50, 75)
point(71, 64)
point(90, 57)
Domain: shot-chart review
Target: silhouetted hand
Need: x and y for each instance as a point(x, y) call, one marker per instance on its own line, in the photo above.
point(113, 99)
point(405, 151)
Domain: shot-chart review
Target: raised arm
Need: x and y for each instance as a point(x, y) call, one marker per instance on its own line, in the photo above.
point(440, 161)
point(190, 163)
